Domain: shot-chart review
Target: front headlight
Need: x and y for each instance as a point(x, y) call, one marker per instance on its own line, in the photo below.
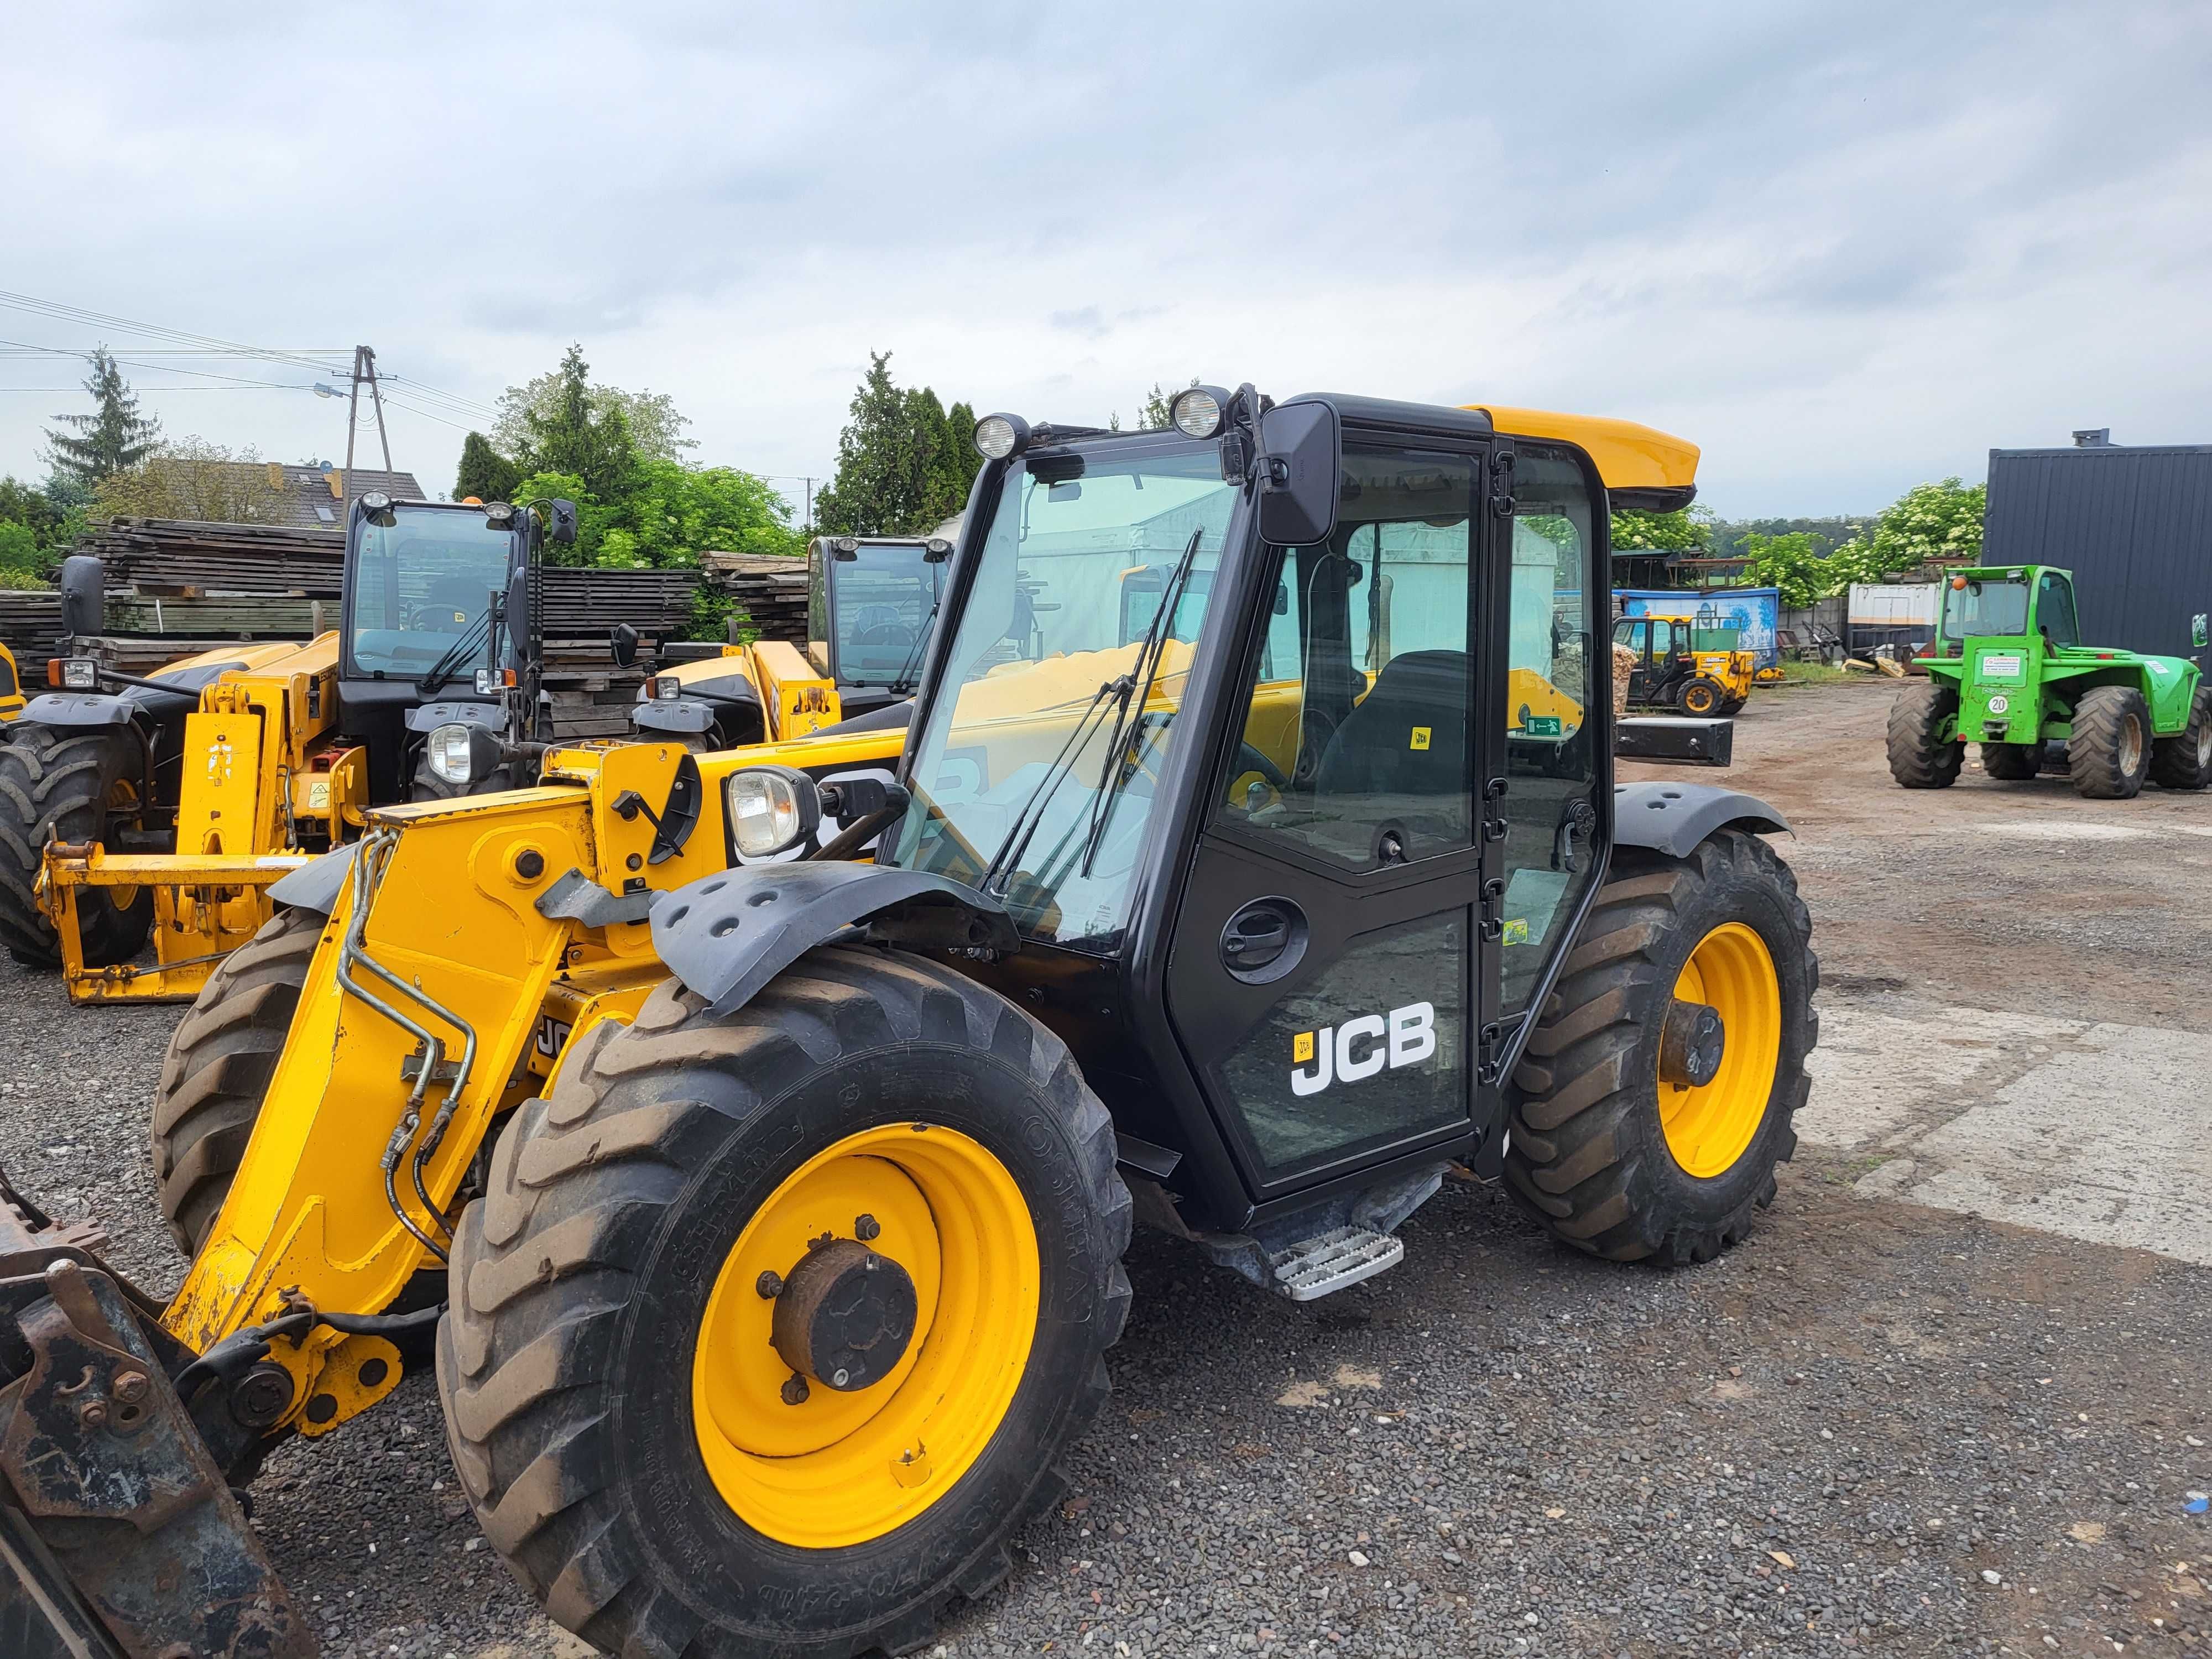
point(80, 674)
point(450, 753)
point(772, 809)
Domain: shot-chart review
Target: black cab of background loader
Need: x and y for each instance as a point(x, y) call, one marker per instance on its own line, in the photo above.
point(439, 636)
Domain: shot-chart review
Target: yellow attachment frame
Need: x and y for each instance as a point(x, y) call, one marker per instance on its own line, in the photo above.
point(258, 788)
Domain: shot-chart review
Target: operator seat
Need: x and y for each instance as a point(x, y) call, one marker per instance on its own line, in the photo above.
point(1408, 736)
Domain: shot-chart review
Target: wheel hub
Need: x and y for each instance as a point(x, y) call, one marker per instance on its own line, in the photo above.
point(845, 1315)
point(1693, 1043)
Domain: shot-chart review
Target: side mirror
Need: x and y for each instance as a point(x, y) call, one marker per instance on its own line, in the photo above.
point(563, 528)
point(83, 579)
point(521, 639)
point(621, 639)
point(2196, 626)
point(1301, 473)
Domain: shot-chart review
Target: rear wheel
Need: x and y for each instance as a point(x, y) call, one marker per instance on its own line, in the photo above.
point(66, 783)
point(1656, 1094)
point(1924, 753)
point(2109, 754)
point(2185, 760)
point(216, 1072)
point(2012, 762)
point(770, 1327)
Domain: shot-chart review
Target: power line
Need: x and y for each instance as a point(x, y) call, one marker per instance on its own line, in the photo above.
point(202, 374)
point(99, 319)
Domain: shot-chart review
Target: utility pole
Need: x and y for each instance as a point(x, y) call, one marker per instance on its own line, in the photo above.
point(364, 369)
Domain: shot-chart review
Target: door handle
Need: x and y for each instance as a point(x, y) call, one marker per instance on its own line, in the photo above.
point(1263, 940)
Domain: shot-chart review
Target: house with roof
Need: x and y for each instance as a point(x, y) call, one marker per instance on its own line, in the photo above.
point(316, 497)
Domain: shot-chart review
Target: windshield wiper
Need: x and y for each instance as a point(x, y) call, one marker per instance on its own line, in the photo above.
point(1119, 765)
point(900, 683)
point(458, 652)
point(1031, 814)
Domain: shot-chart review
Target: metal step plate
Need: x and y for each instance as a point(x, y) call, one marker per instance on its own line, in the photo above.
point(1328, 1262)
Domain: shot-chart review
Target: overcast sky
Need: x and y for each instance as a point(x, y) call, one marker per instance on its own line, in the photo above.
point(1842, 247)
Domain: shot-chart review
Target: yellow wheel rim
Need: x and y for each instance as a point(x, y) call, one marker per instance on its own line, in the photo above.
point(121, 796)
point(1708, 1125)
point(842, 1468)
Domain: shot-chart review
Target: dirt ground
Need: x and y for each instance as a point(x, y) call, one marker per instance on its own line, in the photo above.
point(1953, 1397)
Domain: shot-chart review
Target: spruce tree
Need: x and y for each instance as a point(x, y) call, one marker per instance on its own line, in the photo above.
point(484, 472)
point(573, 437)
point(872, 494)
point(114, 436)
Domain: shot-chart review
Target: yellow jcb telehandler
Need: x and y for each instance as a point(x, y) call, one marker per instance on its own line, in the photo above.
point(777, 1200)
point(168, 803)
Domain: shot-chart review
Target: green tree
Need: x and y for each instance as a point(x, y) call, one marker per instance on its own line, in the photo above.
point(1684, 530)
point(904, 463)
point(1931, 524)
point(19, 549)
point(569, 432)
point(115, 435)
point(655, 426)
point(1791, 563)
point(190, 478)
point(484, 472)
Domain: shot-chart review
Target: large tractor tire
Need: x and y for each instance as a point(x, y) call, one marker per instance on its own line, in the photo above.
point(1616, 1147)
point(63, 783)
point(1921, 756)
point(217, 1068)
point(1701, 697)
point(2109, 754)
point(2012, 762)
point(2185, 760)
point(769, 1329)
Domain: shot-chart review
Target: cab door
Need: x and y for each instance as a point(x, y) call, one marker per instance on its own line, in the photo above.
point(1323, 972)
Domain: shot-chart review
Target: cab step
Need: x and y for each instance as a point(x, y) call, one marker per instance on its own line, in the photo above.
point(1313, 1268)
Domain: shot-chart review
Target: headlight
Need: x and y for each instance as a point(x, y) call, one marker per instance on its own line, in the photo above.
point(450, 753)
point(376, 501)
point(772, 809)
point(1196, 412)
point(2000, 705)
point(80, 674)
point(666, 688)
point(1000, 435)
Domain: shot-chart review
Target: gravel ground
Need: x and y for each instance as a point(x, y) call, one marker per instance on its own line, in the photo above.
point(1874, 1426)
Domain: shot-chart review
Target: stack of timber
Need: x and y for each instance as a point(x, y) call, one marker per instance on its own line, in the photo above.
point(31, 628)
point(770, 588)
point(181, 555)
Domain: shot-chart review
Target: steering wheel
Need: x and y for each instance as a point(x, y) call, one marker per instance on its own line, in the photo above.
point(885, 637)
point(1249, 759)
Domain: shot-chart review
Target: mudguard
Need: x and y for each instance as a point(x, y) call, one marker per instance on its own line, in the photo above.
point(727, 935)
point(76, 708)
point(680, 717)
point(316, 885)
point(429, 716)
point(1673, 817)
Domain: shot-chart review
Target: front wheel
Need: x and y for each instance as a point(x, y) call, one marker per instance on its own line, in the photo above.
point(68, 783)
point(1656, 1094)
point(1702, 697)
point(770, 1327)
point(2184, 761)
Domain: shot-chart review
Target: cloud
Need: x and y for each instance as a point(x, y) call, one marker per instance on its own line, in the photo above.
point(1844, 249)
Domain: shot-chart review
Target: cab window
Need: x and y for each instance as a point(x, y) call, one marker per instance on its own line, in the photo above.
point(2054, 610)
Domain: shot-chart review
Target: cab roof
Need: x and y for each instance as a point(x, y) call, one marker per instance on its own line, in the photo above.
point(1642, 466)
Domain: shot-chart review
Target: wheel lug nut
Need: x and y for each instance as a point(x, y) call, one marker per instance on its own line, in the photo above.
point(794, 1390)
point(769, 1284)
point(865, 1228)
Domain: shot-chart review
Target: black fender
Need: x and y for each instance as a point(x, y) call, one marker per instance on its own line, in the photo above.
point(316, 884)
point(1673, 817)
point(727, 935)
point(427, 717)
point(681, 717)
point(77, 708)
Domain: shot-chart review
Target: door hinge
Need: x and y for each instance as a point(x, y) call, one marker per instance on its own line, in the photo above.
point(1493, 900)
point(1496, 1038)
point(1501, 484)
point(1494, 823)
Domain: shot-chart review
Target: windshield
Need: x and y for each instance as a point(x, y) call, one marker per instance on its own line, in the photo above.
point(1997, 604)
point(884, 593)
point(419, 584)
point(1077, 547)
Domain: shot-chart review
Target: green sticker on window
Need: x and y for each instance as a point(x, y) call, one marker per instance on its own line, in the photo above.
point(1517, 931)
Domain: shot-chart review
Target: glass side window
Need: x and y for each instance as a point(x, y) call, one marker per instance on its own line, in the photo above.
point(1358, 742)
point(1994, 605)
point(1552, 763)
point(423, 589)
point(2054, 610)
point(882, 597)
point(1032, 774)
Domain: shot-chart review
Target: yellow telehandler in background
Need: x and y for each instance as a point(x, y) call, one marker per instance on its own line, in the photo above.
point(778, 1199)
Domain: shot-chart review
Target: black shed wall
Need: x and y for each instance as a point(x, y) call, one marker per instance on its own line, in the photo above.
point(2134, 524)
